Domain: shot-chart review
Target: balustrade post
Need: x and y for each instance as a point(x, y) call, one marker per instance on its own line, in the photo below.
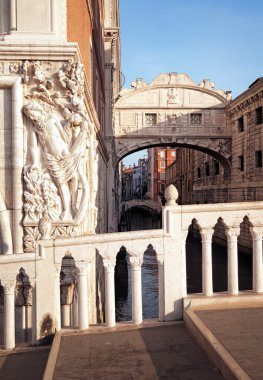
point(83, 315)
point(136, 263)
point(109, 266)
point(57, 307)
point(9, 316)
point(207, 274)
point(257, 233)
point(232, 259)
point(160, 261)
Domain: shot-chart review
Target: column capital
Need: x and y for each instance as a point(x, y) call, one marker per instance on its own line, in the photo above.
point(160, 260)
point(206, 234)
point(109, 264)
point(256, 232)
point(9, 287)
point(82, 269)
point(136, 262)
point(57, 270)
point(232, 233)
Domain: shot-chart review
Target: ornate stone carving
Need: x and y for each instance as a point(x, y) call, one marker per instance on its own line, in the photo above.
point(138, 83)
point(172, 96)
point(40, 195)
point(136, 261)
point(45, 227)
point(32, 235)
point(109, 264)
point(171, 195)
point(14, 68)
point(56, 180)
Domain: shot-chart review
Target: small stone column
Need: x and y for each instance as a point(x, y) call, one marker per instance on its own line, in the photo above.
point(257, 233)
point(9, 316)
point(232, 259)
point(207, 274)
point(160, 261)
point(57, 307)
point(31, 306)
point(109, 266)
point(83, 297)
point(136, 263)
point(184, 276)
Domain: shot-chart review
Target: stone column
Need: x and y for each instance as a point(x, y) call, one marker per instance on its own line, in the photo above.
point(31, 309)
point(17, 165)
point(66, 315)
point(13, 15)
point(109, 266)
point(160, 261)
point(184, 276)
point(9, 316)
point(83, 296)
point(57, 307)
point(257, 233)
point(207, 274)
point(232, 259)
point(136, 263)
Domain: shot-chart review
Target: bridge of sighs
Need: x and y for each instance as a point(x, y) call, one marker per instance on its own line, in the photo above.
point(174, 111)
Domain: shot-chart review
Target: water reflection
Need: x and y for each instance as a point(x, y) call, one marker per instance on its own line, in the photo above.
point(149, 288)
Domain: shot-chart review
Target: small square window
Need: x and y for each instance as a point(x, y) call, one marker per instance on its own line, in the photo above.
point(162, 164)
point(259, 115)
point(241, 124)
point(195, 118)
point(150, 119)
point(241, 163)
point(258, 158)
point(162, 154)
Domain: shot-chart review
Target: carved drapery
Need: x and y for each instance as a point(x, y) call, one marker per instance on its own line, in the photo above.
point(58, 137)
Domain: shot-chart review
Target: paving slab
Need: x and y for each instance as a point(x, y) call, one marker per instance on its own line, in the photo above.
point(164, 352)
point(240, 331)
point(23, 364)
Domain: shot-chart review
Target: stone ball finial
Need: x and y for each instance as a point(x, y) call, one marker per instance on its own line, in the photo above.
point(45, 226)
point(171, 195)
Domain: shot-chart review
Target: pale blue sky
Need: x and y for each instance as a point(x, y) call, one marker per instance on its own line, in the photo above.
point(219, 40)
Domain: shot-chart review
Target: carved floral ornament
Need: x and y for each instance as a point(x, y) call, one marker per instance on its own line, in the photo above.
point(56, 189)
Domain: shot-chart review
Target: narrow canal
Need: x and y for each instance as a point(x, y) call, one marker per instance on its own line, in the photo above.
point(194, 275)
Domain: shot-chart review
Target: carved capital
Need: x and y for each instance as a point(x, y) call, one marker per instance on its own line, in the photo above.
point(206, 235)
point(109, 264)
point(160, 260)
point(9, 288)
point(82, 269)
point(232, 233)
point(256, 232)
point(136, 262)
point(57, 270)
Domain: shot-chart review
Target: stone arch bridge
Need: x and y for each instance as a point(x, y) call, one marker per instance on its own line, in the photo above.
point(173, 111)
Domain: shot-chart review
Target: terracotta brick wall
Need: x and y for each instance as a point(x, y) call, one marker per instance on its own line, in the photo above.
point(79, 29)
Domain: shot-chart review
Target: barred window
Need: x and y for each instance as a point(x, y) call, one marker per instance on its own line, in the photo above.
point(259, 115)
point(195, 118)
point(150, 118)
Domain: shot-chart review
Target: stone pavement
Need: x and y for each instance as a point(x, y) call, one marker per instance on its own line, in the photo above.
point(23, 364)
point(160, 351)
point(240, 331)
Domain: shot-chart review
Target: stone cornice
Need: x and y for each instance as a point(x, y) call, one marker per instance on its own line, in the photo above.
point(244, 102)
point(151, 87)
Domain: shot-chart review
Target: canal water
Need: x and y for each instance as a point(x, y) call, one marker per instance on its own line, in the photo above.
point(194, 276)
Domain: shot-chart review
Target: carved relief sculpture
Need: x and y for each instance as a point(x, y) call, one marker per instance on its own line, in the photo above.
point(55, 175)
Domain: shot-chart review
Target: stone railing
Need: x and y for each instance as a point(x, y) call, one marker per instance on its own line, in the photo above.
point(43, 270)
